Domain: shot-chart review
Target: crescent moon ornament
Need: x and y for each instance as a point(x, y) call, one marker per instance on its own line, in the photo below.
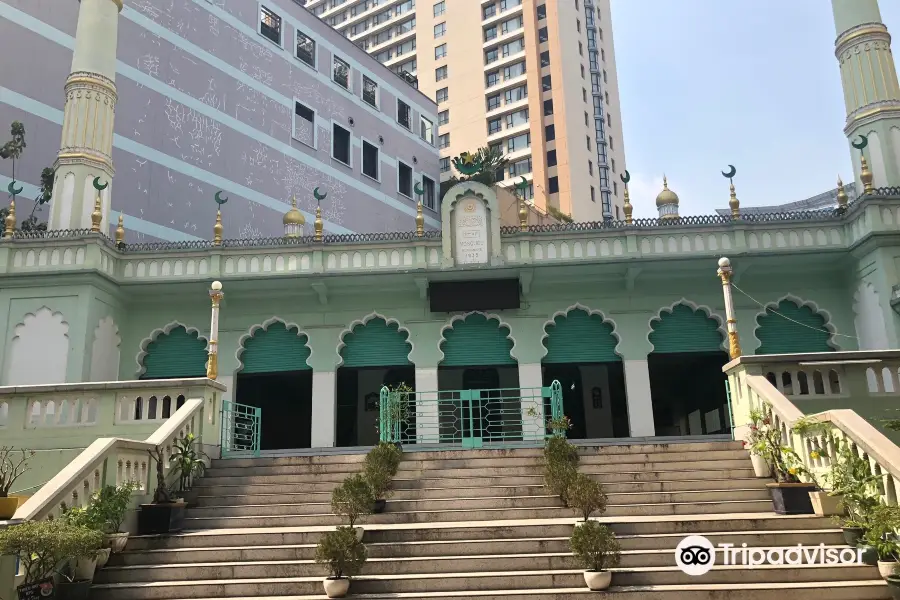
point(219, 199)
point(12, 188)
point(418, 189)
point(319, 196)
point(861, 144)
point(99, 187)
point(626, 177)
point(731, 173)
point(523, 183)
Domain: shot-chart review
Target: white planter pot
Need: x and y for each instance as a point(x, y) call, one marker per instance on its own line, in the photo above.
point(102, 557)
point(825, 505)
point(84, 568)
point(117, 541)
point(336, 588)
point(760, 466)
point(360, 532)
point(597, 580)
point(886, 568)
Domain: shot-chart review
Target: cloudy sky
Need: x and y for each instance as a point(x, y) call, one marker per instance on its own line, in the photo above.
point(754, 83)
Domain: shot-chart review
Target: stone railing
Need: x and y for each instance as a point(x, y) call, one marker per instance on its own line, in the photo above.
point(824, 388)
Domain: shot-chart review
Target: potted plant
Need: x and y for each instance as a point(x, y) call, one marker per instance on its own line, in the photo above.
point(344, 556)
point(187, 461)
point(42, 546)
point(881, 527)
point(893, 582)
point(560, 465)
point(755, 444)
point(586, 496)
point(560, 425)
point(166, 513)
point(352, 499)
point(13, 464)
point(595, 547)
point(379, 468)
point(853, 483)
point(790, 494)
point(87, 518)
point(112, 502)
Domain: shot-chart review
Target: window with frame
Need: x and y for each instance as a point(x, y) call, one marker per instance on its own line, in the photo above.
point(580, 48)
point(489, 11)
point(543, 35)
point(341, 73)
point(582, 72)
point(550, 132)
point(514, 71)
point(593, 194)
point(588, 138)
point(512, 25)
point(609, 119)
point(429, 197)
point(440, 8)
point(542, 12)
point(444, 141)
point(270, 25)
point(611, 143)
point(587, 122)
point(491, 56)
point(519, 142)
point(370, 162)
point(551, 158)
point(615, 188)
point(304, 124)
point(404, 179)
point(490, 33)
point(520, 117)
point(548, 107)
point(370, 91)
point(584, 94)
point(545, 58)
point(516, 94)
point(340, 144)
point(442, 95)
point(444, 117)
point(440, 29)
point(520, 167)
point(506, 5)
point(513, 47)
point(590, 168)
point(445, 165)
point(306, 49)
point(426, 130)
point(404, 114)
point(492, 79)
point(440, 73)
point(493, 102)
point(495, 126)
point(612, 163)
point(440, 51)
point(553, 185)
point(547, 83)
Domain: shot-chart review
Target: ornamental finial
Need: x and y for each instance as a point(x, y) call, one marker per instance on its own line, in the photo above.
point(420, 220)
point(120, 232)
point(10, 221)
point(841, 195)
point(218, 229)
point(97, 215)
point(318, 224)
point(865, 175)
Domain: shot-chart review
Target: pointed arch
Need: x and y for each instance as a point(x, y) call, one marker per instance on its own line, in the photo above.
point(273, 346)
point(685, 326)
point(174, 351)
point(43, 333)
point(476, 339)
point(809, 329)
point(375, 341)
point(579, 335)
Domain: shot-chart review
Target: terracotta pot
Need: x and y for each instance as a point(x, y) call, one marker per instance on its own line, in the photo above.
point(597, 580)
point(336, 588)
point(760, 467)
point(869, 555)
point(792, 498)
point(825, 505)
point(886, 568)
point(8, 507)
point(117, 541)
point(102, 557)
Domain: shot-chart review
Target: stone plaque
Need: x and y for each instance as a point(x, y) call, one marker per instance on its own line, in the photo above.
point(471, 232)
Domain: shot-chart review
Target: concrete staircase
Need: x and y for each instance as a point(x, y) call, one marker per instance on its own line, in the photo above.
point(479, 524)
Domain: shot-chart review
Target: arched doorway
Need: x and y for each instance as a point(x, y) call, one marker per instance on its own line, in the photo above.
point(175, 354)
point(581, 355)
point(274, 376)
point(375, 353)
point(477, 356)
point(790, 328)
point(687, 384)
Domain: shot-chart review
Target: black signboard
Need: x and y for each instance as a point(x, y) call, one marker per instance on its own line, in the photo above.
point(39, 590)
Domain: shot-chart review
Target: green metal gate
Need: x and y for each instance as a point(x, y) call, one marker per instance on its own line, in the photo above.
point(240, 430)
point(175, 354)
point(795, 329)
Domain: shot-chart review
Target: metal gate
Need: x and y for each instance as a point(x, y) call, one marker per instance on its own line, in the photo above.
point(240, 430)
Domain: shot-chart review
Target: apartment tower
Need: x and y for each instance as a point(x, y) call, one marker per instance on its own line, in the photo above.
point(534, 78)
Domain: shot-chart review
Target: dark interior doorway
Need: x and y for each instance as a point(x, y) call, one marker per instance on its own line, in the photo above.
point(688, 392)
point(594, 398)
point(286, 403)
point(358, 394)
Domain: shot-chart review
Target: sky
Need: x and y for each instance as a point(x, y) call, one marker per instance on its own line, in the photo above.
point(753, 83)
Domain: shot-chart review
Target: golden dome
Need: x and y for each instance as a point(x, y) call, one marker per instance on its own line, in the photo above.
point(294, 216)
point(666, 196)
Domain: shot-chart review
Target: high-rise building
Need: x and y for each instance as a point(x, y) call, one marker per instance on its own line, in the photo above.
point(533, 78)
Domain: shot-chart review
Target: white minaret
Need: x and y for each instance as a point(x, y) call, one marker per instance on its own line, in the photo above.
point(871, 88)
point(86, 149)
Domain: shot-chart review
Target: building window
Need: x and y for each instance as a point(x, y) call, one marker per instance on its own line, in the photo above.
point(444, 117)
point(588, 138)
point(490, 33)
point(548, 107)
point(608, 120)
point(580, 48)
point(520, 117)
point(551, 158)
point(491, 56)
point(493, 102)
point(513, 71)
point(445, 165)
point(370, 160)
point(489, 11)
point(492, 79)
point(618, 216)
point(604, 76)
point(547, 83)
point(613, 163)
point(542, 12)
point(404, 179)
point(270, 25)
point(439, 8)
point(590, 168)
point(403, 114)
point(428, 197)
point(341, 73)
point(520, 142)
point(582, 71)
point(543, 35)
point(606, 94)
point(306, 49)
point(520, 168)
point(545, 58)
point(550, 132)
point(611, 143)
point(440, 29)
point(616, 188)
point(578, 25)
point(304, 124)
point(584, 94)
point(494, 126)
point(340, 144)
point(444, 141)
point(593, 194)
point(553, 185)
point(370, 91)
point(442, 95)
point(440, 73)
point(587, 122)
point(440, 51)
point(426, 130)
point(516, 94)
point(602, 54)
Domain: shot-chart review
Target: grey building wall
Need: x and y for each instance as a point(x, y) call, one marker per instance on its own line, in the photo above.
point(207, 103)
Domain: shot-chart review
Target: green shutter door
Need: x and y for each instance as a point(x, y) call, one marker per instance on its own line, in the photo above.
point(376, 344)
point(778, 335)
point(175, 354)
point(477, 342)
point(685, 330)
point(578, 337)
point(275, 350)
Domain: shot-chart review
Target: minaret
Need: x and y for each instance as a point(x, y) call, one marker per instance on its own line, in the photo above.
point(86, 149)
point(871, 88)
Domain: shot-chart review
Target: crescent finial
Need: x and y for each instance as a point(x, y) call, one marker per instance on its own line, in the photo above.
point(12, 188)
point(99, 187)
point(626, 177)
point(219, 199)
point(418, 189)
point(861, 144)
point(319, 196)
point(523, 183)
point(731, 172)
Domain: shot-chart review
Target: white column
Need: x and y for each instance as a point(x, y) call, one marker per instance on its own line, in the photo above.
point(324, 414)
point(531, 379)
point(640, 404)
point(427, 415)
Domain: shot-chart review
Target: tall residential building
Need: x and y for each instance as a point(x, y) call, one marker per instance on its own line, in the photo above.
point(534, 78)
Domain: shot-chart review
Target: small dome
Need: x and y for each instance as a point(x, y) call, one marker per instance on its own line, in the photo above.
point(294, 216)
point(666, 196)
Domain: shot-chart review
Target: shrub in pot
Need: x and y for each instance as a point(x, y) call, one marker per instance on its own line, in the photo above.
point(88, 518)
point(344, 556)
point(586, 496)
point(379, 469)
point(111, 504)
point(560, 465)
point(790, 494)
point(166, 513)
point(881, 526)
point(595, 547)
point(755, 444)
point(13, 464)
point(187, 461)
point(351, 500)
point(851, 480)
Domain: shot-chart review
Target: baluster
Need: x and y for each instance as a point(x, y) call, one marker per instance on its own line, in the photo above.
point(891, 490)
